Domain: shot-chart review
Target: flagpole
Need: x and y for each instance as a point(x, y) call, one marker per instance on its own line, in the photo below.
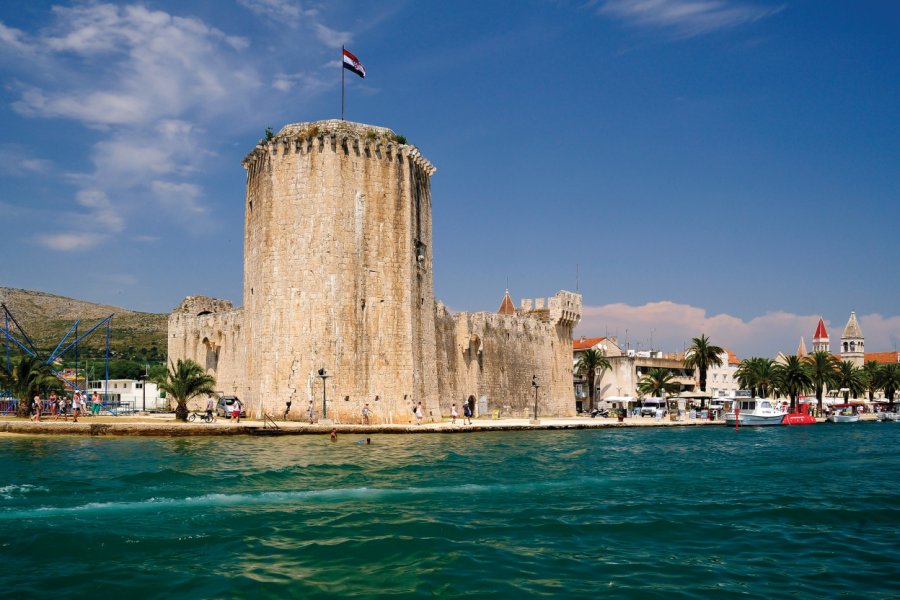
point(342, 82)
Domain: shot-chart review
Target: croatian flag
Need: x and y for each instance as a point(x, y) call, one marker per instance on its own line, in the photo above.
point(352, 63)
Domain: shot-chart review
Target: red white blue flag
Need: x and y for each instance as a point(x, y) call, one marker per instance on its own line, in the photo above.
point(351, 63)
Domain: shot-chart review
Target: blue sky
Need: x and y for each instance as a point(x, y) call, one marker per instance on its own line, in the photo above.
point(724, 166)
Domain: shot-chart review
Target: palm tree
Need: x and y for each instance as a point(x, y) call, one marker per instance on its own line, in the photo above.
point(756, 374)
point(591, 361)
point(871, 371)
point(658, 382)
point(183, 381)
point(822, 368)
point(850, 378)
point(701, 355)
point(889, 380)
point(25, 380)
point(792, 378)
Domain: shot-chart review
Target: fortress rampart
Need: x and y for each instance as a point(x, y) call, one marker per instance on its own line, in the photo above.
point(338, 275)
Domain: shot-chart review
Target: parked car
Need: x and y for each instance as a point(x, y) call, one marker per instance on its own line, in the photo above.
point(224, 406)
point(650, 406)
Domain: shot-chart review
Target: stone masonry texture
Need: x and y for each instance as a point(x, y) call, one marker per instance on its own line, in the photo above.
point(338, 275)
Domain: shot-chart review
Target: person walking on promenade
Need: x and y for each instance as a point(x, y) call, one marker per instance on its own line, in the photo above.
point(419, 414)
point(467, 414)
point(453, 414)
point(236, 410)
point(36, 407)
point(210, 407)
point(365, 414)
point(53, 403)
point(62, 409)
point(95, 404)
point(312, 413)
point(76, 405)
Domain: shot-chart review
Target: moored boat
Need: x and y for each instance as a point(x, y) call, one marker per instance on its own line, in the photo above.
point(843, 413)
point(888, 416)
point(754, 412)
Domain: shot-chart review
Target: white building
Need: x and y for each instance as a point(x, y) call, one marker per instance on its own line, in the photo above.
point(720, 381)
point(129, 394)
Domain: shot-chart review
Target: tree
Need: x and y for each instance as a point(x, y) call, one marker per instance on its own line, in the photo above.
point(658, 382)
point(871, 371)
point(591, 361)
point(183, 381)
point(756, 374)
point(850, 379)
point(889, 380)
point(792, 378)
point(702, 355)
point(25, 380)
point(822, 369)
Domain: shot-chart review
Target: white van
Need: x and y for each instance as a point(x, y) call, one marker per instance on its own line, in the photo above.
point(651, 405)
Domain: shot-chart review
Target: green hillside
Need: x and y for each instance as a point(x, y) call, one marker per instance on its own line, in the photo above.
point(135, 337)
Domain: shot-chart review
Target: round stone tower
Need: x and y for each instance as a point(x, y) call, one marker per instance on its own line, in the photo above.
point(338, 272)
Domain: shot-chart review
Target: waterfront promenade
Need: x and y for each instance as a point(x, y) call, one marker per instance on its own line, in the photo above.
point(165, 425)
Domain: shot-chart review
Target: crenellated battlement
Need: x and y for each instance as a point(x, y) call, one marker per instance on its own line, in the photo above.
point(336, 136)
point(563, 308)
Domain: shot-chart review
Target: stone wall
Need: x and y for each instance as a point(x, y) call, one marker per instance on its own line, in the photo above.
point(209, 331)
point(338, 275)
point(491, 358)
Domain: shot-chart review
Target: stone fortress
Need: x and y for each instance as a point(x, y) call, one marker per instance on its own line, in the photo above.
point(338, 276)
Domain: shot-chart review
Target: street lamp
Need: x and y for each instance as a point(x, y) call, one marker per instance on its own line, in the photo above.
point(534, 384)
point(324, 375)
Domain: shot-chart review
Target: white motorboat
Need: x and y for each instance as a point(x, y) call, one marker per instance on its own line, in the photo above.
point(843, 414)
point(888, 416)
point(754, 412)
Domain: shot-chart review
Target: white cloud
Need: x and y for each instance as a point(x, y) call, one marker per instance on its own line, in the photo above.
point(672, 325)
point(331, 37)
point(97, 220)
point(16, 160)
point(67, 241)
point(279, 11)
point(686, 18)
point(183, 197)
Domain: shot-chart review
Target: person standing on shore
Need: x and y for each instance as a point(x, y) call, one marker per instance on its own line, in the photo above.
point(76, 405)
point(365, 414)
point(312, 413)
point(236, 410)
point(453, 414)
point(36, 407)
point(467, 414)
point(53, 403)
point(62, 410)
point(419, 414)
point(95, 404)
point(210, 407)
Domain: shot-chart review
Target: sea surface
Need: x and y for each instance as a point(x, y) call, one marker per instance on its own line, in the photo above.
point(700, 512)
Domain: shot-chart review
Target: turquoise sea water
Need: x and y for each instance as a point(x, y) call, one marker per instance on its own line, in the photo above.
point(784, 512)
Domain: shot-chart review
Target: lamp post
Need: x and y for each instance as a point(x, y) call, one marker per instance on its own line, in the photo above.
point(324, 375)
point(144, 386)
point(534, 384)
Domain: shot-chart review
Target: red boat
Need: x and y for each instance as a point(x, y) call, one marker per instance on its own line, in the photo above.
point(799, 418)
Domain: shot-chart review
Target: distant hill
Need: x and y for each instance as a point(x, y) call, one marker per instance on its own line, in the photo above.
point(47, 317)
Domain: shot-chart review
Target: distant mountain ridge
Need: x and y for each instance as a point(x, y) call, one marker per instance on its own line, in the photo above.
point(47, 317)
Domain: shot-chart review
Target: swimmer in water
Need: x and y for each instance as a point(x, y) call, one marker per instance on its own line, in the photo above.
point(334, 435)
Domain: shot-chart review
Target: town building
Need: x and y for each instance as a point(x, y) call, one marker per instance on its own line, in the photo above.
point(721, 381)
